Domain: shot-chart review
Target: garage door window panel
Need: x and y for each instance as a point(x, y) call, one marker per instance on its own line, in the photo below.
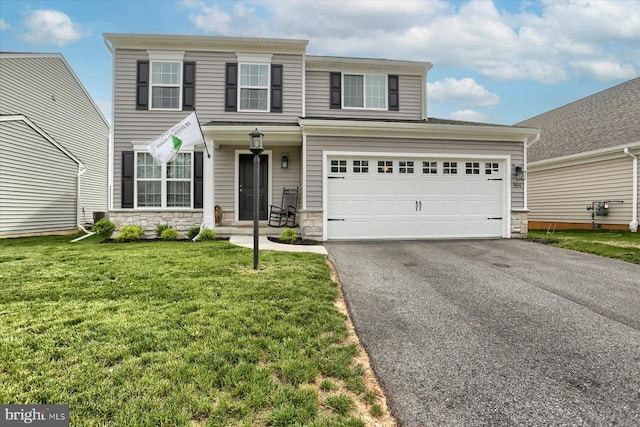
point(472, 168)
point(360, 166)
point(385, 166)
point(450, 168)
point(430, 168)
point(492, 168)
point(405, 166)
point(338, 166)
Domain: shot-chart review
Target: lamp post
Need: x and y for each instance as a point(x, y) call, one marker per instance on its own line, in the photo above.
point(255, 145)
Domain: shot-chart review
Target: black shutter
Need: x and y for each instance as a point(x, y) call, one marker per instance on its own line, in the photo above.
point(189, 86)
point(335, 90)
point(142, 85)
point(128, 165)
point(198, 179)
point(393, 83)
point(276, 88)
point(231, 88)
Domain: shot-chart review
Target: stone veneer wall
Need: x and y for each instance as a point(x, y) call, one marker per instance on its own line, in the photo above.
point(519, 224)
point(148, 220)
point(310, 224)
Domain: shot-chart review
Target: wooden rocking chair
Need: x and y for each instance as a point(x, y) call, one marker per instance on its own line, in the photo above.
point(285, 214)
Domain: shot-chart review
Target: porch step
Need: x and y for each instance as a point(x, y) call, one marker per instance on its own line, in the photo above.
point(243, 230)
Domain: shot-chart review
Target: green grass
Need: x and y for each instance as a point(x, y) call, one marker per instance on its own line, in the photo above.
point(622, 245)
point(170, 333)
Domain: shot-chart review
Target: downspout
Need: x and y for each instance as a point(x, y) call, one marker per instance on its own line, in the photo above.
point(526, 159)
point(81, 169)
point(111, 153)
point(633, 225)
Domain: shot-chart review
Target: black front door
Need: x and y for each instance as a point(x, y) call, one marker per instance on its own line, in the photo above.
point(245, 186)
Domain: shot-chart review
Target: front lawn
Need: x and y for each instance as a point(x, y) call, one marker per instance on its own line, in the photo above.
point(174, 333)
point(622, 245)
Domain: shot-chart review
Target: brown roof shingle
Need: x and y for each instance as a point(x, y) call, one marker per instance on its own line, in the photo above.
point(605, 119)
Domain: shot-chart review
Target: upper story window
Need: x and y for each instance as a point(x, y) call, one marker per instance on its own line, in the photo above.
point(364, 91)
point(367, 91)
point(165, 82)
point(254, 87)
point(253, 84)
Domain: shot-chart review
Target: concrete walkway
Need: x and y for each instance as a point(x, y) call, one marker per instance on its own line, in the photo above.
point(266, 244)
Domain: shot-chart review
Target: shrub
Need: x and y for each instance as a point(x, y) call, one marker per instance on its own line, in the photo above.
point(104, 228)
point(169, 234)
point(208, 234)
point(289, 235)
point(160, 228)
point(129, 233)
point(193, 232)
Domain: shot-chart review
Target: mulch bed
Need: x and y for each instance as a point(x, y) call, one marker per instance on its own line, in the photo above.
point(295, 242)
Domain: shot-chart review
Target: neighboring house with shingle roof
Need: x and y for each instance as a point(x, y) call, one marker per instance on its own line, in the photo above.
point(587, 153)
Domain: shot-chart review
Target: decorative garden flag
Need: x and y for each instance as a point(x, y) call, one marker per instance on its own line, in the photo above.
point(185, 134)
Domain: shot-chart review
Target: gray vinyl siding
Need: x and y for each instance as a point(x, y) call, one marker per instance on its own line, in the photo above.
point(37, 183)
point(562, 194)
point(45, 90)
point(140, 126)
point(317, 145)
point(411, 95)
point(225, 173)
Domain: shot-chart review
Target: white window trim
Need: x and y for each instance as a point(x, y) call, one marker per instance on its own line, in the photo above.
point(364, 91)
point(138, 148)
point(165, 56)
point(254, 59)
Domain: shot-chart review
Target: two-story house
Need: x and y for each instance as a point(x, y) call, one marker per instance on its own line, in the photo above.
point(352, 134)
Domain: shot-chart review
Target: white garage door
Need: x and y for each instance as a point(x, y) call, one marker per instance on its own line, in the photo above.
point(374, 198)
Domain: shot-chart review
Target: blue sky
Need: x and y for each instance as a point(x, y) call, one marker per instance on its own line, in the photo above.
point(494, 61)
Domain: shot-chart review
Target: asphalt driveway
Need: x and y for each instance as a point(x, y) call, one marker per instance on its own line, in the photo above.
point(496, 332)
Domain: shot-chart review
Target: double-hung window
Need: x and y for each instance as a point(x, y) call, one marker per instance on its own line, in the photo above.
point(368, 91)
point(165, 80)
point(254, 87)
point(164, 186)
point(254, 81)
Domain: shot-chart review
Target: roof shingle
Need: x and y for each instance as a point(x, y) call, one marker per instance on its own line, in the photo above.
point(606, 119)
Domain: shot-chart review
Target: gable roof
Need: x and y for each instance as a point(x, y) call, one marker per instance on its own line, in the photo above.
point(30, 63)
point(606, 119)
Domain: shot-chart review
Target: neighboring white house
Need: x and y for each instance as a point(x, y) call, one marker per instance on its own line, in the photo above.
point(54, 147)
point(354, 132)
point(587, 155)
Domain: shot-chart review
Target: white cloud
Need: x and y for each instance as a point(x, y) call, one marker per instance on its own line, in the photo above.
point(50, 27)
point(3, 25)
point(241, 20)
point(550, 43)
point(469, 116)
point(465, 92)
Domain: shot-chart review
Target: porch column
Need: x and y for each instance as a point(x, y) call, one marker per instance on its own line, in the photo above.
point(208, 196)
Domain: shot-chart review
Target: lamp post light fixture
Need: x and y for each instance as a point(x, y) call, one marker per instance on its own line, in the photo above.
point(255, 146)
point(284, 162)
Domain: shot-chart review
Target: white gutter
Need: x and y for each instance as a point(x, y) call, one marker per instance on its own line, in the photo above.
point(111, 154)
point(526, 159)
point(81, 169)
point(633, 225)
